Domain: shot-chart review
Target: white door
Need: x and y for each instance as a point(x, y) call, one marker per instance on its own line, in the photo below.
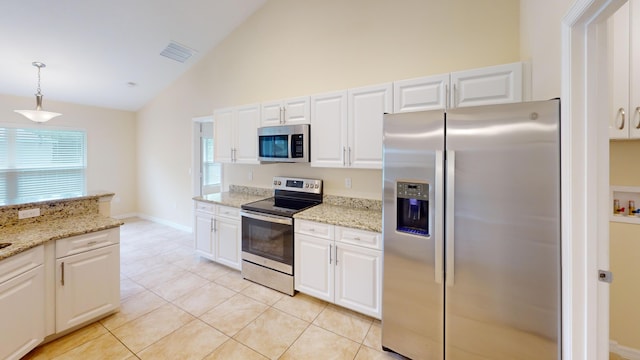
point(367, 106)
point(203, 236)
point(228, 243)
point(358, 278)
point(618, 35)
point(329, 129)
point(634, 77)
point(22, 319)
point(297, 111)
point(313, 266)
point(486, 86)
point(271, 113)
point(223, 135)
point(246, 134)
point(87, 286)
point(425, 93)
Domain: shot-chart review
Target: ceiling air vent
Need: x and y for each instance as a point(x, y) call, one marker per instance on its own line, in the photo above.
point(177, 52)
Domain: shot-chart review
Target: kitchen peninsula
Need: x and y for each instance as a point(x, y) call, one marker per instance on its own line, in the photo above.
point(59, 269)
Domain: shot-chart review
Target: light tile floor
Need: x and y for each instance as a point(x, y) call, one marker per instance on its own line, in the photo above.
point(176, 305)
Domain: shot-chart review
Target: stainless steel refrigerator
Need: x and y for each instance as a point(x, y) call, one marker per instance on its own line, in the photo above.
point(471, 229)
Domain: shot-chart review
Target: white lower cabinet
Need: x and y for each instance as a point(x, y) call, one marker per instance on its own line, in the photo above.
point(218, 234)
point(87, 277)
point(358, 279)
point(339, 265)
point(22, 303)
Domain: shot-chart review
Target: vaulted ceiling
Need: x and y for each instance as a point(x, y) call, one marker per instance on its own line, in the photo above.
point(107, 53)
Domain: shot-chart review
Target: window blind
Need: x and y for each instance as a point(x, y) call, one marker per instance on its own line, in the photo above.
point(38, 164)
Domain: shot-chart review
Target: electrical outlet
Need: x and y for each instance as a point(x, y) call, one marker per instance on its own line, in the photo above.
point(24, 214)
point(347, 183)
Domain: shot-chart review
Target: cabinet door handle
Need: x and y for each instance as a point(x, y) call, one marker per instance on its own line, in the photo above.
point(214, 225)
point(92, 242)
point(344, 156)
point(211, 225)
point(638, 117)
point(349, 156)
point(62, 277)
point(336, 255)
point(622, 115)
point(330, 249)
point(446, 96)
point(283, 115)
point(455, 95)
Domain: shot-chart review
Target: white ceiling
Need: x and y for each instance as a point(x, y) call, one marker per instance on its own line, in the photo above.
point(92, 49)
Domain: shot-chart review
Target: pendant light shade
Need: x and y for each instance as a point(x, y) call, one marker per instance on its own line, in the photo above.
point(38, 115)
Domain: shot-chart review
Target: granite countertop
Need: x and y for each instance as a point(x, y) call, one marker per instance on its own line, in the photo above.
point(54, 200)
point(352, 217)
point(25, 237)
point(233, 199)
point(363, 214)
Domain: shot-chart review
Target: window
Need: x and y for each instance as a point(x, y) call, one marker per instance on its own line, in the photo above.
point(38, 164)
point(210, 170)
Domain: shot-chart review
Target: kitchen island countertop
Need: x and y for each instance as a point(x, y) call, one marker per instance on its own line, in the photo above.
point(25, 237)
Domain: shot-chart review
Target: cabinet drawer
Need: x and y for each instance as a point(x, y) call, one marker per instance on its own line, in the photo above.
point(20, 263)
point(324, 231)
point(204, 207)
point(81, 243)
point(229, 212)
point(359, 237)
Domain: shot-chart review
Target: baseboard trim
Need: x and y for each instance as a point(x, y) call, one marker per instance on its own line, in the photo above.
point(625, 352)
point(156, 220)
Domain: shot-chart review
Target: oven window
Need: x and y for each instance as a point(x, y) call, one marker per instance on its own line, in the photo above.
point(269, 240)
point(274, 146)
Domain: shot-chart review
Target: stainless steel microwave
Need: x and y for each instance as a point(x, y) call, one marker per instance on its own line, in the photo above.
point(283, 143)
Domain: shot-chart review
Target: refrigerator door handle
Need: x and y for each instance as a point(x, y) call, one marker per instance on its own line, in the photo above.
point(449, 218)
point(439, 212)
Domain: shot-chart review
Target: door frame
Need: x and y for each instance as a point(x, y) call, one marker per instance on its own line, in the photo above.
point(195, 153)
point(585, 180)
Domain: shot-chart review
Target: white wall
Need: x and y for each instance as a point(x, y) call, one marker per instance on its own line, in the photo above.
point(540, 25)
point(111, 136)
point(291, 48)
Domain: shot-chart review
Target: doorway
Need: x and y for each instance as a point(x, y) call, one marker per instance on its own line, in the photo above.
point(207, 174)
point(585, 179)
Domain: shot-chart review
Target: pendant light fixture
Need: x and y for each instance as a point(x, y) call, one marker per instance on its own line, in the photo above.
point(38, 115)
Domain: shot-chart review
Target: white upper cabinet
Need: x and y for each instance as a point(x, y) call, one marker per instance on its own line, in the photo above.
point(286, 112)
point(346, 127)
point(366, 107)
point(425, 93)
point(487, 86)
point(484, 86)
point(624, 59)
point(222, 134)
point(236, 134)
point(329, 129)
point(246, 134)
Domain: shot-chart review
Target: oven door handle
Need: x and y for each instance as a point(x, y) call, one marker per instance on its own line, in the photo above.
point(267, 218)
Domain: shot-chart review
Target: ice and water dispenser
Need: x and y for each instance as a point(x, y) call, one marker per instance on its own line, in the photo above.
point(412, 207)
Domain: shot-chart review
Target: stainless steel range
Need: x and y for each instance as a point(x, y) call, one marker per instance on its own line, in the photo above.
point(267, 232)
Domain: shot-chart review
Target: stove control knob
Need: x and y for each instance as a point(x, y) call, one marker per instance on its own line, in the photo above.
point(279, 182)
point(306, 186)
point(275, 182)
point(317, 186)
